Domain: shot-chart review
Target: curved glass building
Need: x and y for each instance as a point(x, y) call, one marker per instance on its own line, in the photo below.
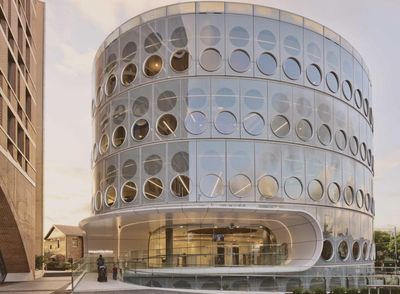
point(232, 149)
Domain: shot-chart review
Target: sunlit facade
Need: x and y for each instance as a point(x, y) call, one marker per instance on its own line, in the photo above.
point(232, 140)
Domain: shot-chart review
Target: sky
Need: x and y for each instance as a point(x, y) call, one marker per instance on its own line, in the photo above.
point(76, 28)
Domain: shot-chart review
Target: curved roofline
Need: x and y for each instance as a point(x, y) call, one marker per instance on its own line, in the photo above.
point(232, 8)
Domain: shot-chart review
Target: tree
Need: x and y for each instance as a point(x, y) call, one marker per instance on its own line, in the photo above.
point(385, 246)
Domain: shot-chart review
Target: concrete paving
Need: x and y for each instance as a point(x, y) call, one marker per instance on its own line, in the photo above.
point(39, 286)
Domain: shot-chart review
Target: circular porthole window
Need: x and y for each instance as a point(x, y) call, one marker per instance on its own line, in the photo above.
point(180, 186)
point(196, 98)
point(324, 112)
point(367, 201)
point(153, 65)
point(129, 74)
point(104, 143)
point(280, 102)
point(167, 125)
point(240, 185)
point(239, 61)
point(153, 42)
point(140, 106)
point(166, 101)
point(180, 162)
point(332, 82)
point(196, 123)
point(353, 144)
point(315, 190)
point(225, 122)
point(341, 139)
point(292, 68)
point(212, 186)
point(293, 188)
point(111, 174)
point(254, 124)
point(334, 192)
point(280, 126)
point(365, 251)
point(266, 40)
point(360, 198)
point(327, 250)
point(119, 114)
point(268, 186)
point(153, 164)
point(363, 151)
point(343, 250)
point(348, 195)
point(153, 188)
point(347, 90)
point(225, 98)
point(356, 250)
point(324, 135)
point(119, 136)
point(180, 60)
point(129, 169)
point(366, 107)
point(239, 36)
point(97, 201)
point(210, 35)
point(128, 192)
point(210, 59)
point(129, 51)
point(111, 196)
point(304, 130)
point(179, 37)
point(267, 63)
point(111, 85)
point(358, 98)
point(140, 129)
point(291, 45)
point(314, 75)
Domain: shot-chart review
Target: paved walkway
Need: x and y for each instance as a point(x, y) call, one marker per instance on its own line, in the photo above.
point(40, 286)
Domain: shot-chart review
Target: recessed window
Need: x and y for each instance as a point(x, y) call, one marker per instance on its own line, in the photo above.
point(129, 51)
point(314, 75)
point(293, 188)
point(196, 98)
point(367, 201)
point(210, 59)
point(140, 129)
point(111, 84)
point(353, 144)
point(280, 102)
point(303, 107)
point(104, 144)
point(356, 251)
point(180, 162)
point(180, 186)
point(324, 112)
point(167, 125)
point(153, 65)
point(212, 186)
point(365, 107)
point(111, 174)
point(179, 37)
point(98, 201)
point(324, 135)
point(315, 190)
point(360, 198)
point(153, 188)
point(111, 196)
point(363, 151)
point(266, 40)
point(267, 63)
point(111, 62)
point(280, 126)
point(314, 52)
point(343, 250)
point(119, 136)
point(358, 98)
point(140, 106)
point(239, 61)
point(129, 169)
point(196, 123)
point(153, 164)
point(180, 60)
point(292, 68)
point(254, 124)
point(369, 156)
point(210, 35)
point(225, 98)
point(166, 100)
point(225, 122)
point(341, 139)
point(119, 114)
point(254, 100)
point(153, 42)
point(334, 192)
point(239, 36)
point(129, 74)
point(128, 192)
point(304, 130)
point(348, 195)
point(327, 250)
point(291, 45)
point(268, 186)
point(240, 185)
point(332, 82)
point(365, 251)
point(347, 90)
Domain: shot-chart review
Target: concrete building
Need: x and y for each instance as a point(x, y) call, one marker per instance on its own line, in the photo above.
point(21, 136)
point(66, 241)
point(232, 149)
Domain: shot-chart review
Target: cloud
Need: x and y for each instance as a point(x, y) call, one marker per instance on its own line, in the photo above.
point(73, 62)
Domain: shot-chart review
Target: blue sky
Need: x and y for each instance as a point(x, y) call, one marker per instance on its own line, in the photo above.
point(75, 29)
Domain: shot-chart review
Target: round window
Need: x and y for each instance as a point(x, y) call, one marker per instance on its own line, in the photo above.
point(167, 125)
point(140, 106)
point(196, 98)
point(291, 45)
point(225, 98)
point(304, 130)
point(153, 65)
point(324, 135)
point(343, 250)
point(367, 201)
point(267, 64)
point(292, 68)
point(166, 100)
point(314, 52)
point(254, 124)
point(293, 188)
point(104, 143)
point(119, 136)
point(356, 250)
point(365, 251)
point(358, 98)
point(210, 35)
point(324, 112)
point(353, 144)
point(239, 61)
point(179, 37)
point(314, 75)
point(332, 82)
point(369, 156)
point(239, 36)
point(129, 74)
point(225, 122)
point(129, 51)
point(98, 201)
point(140, 129)
point(111, 174)
point(266, 40)
point(180, 162)
point(129, 169)
point(196, 123)
point(365, 107)
point(253, 99)
point(210, 59)
point(315, 190)
point(360, 198)
point(347, 90)
point(327, 250)
point(334, 192)
point(280, 102)
point(153, 188)
point(363, 151)
point(111, 84)
point(180, 60)
point(341, 139)
point(111, 196)
point(153, 42)
point(180, 186)
point(153, 164)
point(268, 186)
point(280, 126)
point(128, 192)
point(303, 106)
point(348, 195)
point(119, 114)
point(212, 186)
point(240, 185)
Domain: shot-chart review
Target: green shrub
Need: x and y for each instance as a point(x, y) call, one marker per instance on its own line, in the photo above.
point(298, 291)
point(352, 291)
point(307, 292)
point(339, 290)
point(319, 291)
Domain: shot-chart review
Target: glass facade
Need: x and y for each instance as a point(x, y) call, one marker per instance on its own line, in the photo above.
point(240, 110)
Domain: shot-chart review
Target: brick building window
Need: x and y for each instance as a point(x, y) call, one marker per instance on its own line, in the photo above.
point(74, 242)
